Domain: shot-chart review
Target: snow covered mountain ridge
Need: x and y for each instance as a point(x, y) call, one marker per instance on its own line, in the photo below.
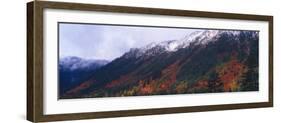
point(196, 38)
point(74, 63)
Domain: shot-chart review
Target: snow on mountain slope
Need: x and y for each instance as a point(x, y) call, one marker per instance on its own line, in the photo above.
point(74, 63)
point(196, 38)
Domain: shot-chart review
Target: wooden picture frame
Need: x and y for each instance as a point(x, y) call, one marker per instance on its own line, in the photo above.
point(35, 60)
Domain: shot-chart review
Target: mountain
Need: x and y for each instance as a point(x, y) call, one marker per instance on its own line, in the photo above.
point(202, 62)
point(74, 70)
point(195, 38)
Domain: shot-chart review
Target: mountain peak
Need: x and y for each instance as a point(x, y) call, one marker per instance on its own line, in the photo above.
point(197, 37)
point(73, 62)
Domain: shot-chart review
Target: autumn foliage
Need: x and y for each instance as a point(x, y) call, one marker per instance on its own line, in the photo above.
point(224, 65)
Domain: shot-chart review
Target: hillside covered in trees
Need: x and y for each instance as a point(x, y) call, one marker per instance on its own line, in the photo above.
point(212, 61)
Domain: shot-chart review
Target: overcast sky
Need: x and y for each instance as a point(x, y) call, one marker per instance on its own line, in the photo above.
point(108, 42)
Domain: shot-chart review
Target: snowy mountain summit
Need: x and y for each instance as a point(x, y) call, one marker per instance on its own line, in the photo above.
point(74, 63)
point(195, 38)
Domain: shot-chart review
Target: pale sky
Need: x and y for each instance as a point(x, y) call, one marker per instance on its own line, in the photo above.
point(108, 42)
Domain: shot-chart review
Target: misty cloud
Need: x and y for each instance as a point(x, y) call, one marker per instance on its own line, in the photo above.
point(109, 42)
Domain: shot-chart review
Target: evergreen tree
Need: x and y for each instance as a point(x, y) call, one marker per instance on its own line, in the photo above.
point(214, 83)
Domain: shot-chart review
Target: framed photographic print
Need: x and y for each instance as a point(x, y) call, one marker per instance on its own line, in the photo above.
point(96, 61)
